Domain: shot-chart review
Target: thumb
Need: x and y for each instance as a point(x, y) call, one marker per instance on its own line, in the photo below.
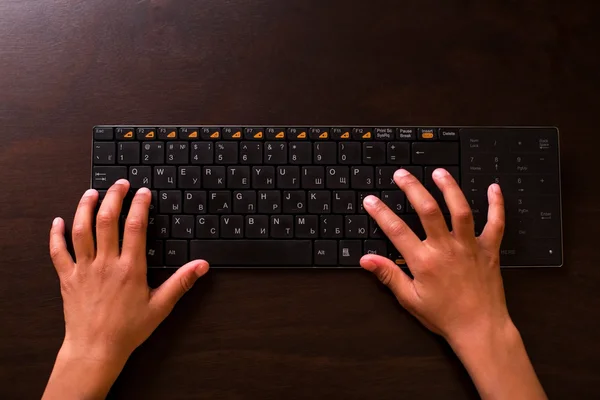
point(168, 294)
point(390, 275)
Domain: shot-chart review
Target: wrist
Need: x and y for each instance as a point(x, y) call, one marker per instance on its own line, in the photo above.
point(499, 334)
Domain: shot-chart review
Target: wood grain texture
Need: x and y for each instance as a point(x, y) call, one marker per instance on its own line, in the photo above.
point(67, 65)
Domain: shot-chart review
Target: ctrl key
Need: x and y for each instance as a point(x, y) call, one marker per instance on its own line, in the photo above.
point(104, 177)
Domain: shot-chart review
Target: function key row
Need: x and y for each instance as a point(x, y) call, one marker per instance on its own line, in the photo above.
point(271, 133)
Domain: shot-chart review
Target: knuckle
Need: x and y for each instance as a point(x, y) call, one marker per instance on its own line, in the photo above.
point(396, 227)
point(463, 214)
point(430, 208)
point(55, 251)
point(105, 218)
point(135, 224)
point(79, 231)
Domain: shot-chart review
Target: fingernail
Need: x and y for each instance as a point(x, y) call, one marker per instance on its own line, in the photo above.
point(495, 188)
point(402, 172)
point(121, 182)
point(89, 192)
point(201, 268)
point(440, 173)
point(56, 221)
point(370, 200)
point(143, 190)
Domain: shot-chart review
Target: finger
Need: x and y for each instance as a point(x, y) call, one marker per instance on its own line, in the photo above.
point(425, 205)
point(390, 275)
point(491, 237)
point(168, 294)
point(82, 234)
point(107, 220)
point(403, 238)
point(460, 212)
point(58, 248)
point(134, 237)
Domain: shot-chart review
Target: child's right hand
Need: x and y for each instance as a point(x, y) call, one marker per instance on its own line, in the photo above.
point(457, 287)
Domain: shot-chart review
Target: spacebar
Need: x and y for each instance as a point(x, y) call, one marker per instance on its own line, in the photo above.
point(238, 253)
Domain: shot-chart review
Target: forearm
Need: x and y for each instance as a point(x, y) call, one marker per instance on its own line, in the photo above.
point(82, 376)
point(497, 362)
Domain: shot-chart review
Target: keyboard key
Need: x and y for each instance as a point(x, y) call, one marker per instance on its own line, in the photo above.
point(162, 229)
point(244, 202)
point(288, 177)
point(307, 226)
point(257, 226)
point(349, 153)
point(124, 134)
point(207, 227)
point(219, 202)
point(154, 253)
point(442, 153)
point(337, 178)
point(361, 197)
point(426, 133)
point(213, 133)
point(297, 134)
point(417, 172)
point(362, 134)
point(344, 202)
point(176, 252)
point(202, 153)
point(375, 231)
point(140, 177)
point(226, 153)
point(356, 227)
point(276, 153)
point(104, 153)
point(332, 226)
point(340, 133)
point(294, 202)
point(182, 226)
point(213, 177)
point(269, 202)
point(254, 134)
point(275, 133)
point(325, 252)
point(189, 133)
point(167, 133)
point(282, 226)
point(386, 134)
point(170, 202)
point(448, 133)
point(128, 153)
point(395, 200)
point(105, 177)
point(232, 133)
point(251, 153)
point(194, 202)
point(238, 177)
point(325, 153)
point(300, 153)
point(319, 202)
point(263, 177)
point(362, 178)
point(188, 177)
point(153, 153)
point(177, 153)
point(232, 226)
point(350, 252)
point(164, 177)
point(406, 134)
point(374, 153)
point(102, 133)
point(146, 133)
point(398, 153)
point(240, 253)
point(318, 133)
point(313, 177)
point(378, 247)
point(384, 177)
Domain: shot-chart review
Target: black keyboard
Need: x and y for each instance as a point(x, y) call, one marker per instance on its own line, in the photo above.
point(248, 196)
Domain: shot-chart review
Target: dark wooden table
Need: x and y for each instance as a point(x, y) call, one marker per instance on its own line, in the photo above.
point(67, 65)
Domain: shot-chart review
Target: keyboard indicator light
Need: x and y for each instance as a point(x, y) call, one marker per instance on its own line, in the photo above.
point(427, 135)
point(400, 261)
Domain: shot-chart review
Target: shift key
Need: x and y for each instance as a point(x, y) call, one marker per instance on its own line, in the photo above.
point(435, 153)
